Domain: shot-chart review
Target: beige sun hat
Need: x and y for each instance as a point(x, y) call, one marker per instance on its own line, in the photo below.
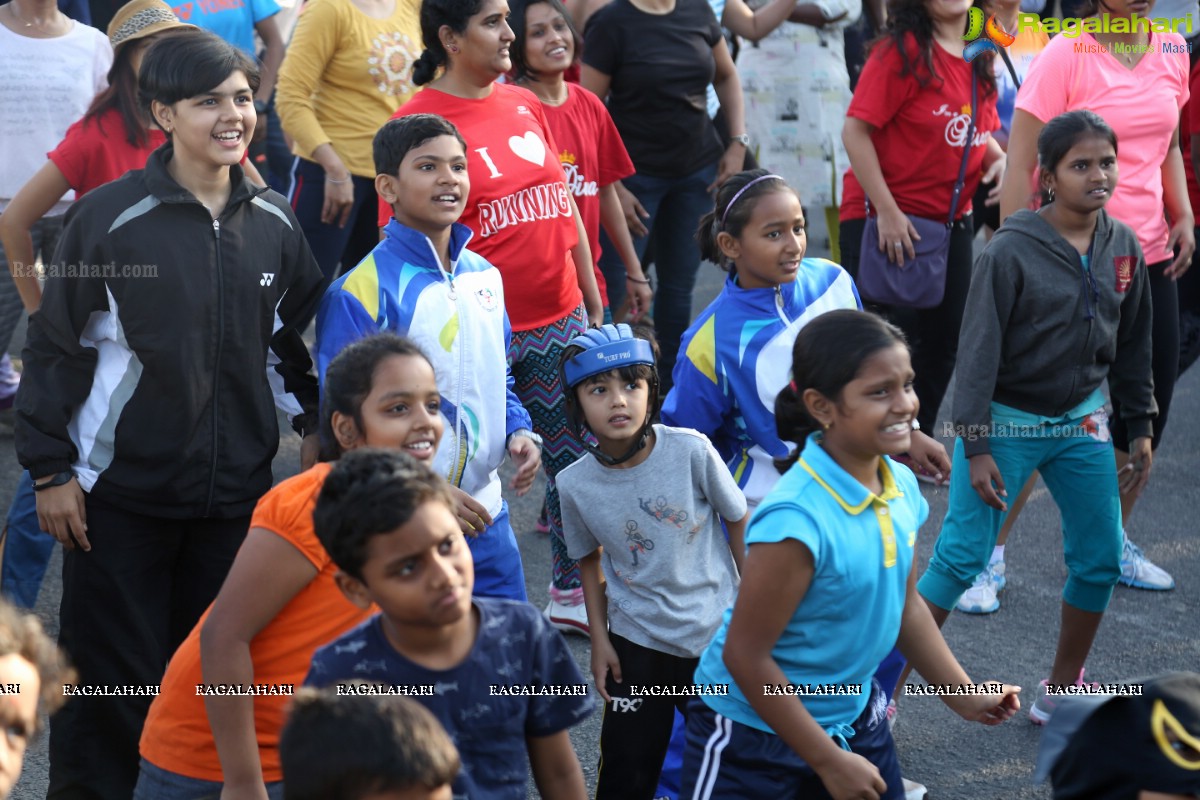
point(141, 18)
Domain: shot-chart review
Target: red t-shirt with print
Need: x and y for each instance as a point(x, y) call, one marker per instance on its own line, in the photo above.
point(592, 156)
point(1189, 123)
point(920, 131)
point(519, 207)
point(95, 151)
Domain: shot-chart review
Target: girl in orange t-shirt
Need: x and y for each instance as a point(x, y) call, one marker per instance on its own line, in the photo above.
point(215, 725)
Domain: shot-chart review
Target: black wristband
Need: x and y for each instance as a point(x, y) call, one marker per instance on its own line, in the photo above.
point(60, 479)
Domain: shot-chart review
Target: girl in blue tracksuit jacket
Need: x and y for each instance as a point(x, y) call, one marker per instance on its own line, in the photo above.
point(736, 356)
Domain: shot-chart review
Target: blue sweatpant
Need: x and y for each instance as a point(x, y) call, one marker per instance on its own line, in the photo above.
point(726, 760)
point(1076, 462)
point(27, 548)
point(498, 570)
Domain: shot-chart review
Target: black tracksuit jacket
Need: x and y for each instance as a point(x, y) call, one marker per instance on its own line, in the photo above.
point(164, 343)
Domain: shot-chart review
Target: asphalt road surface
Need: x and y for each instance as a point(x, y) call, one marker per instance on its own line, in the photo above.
point(1143, 633)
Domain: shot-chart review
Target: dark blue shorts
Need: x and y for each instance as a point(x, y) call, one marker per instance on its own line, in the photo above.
point(728, 760)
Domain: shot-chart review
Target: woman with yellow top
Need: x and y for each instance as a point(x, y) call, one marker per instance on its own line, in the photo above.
point(346, 72)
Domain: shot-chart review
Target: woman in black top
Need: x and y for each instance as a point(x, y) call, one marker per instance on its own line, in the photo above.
point(654, 60)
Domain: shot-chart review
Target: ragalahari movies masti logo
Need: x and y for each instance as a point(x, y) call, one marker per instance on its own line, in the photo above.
point(994, 37)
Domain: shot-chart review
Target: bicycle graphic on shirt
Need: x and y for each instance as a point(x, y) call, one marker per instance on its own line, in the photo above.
point(663, 512)
point(637, 543)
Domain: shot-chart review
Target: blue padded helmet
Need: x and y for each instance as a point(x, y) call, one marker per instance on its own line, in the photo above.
point(600, 350)
point(605, 348)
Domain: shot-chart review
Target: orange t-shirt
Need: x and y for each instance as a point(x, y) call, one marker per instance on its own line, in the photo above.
point(177, 736)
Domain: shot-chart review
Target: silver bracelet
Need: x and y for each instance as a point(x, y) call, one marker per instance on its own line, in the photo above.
point(629, 277)
point(524, 433)
point(337, 182)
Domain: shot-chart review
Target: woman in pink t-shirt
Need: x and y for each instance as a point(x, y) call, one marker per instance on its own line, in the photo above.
point(1138, 82)
point(1189, 283)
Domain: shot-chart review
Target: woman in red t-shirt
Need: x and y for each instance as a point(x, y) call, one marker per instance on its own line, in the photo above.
point(525, 223)
point(1189, 282)
point(905, 132)
point(114, 136)
point(590, 148)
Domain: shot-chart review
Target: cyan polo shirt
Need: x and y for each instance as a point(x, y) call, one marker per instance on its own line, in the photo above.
point(862, 547)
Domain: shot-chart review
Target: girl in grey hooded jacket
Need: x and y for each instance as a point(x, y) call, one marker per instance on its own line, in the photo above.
point(1058, 304)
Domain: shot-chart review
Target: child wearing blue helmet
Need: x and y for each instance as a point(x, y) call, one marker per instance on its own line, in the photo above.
point(653, 497)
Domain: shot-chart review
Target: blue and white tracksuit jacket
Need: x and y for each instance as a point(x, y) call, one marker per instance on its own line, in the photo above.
point(737, 356)
point(458, 320)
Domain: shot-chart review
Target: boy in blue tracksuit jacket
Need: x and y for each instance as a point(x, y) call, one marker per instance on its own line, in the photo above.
point(735, 359)
point(422, 282)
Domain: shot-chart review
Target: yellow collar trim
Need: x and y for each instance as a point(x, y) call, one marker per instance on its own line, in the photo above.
point(890, 491)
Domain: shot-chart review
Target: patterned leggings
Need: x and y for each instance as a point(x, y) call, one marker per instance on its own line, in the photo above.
point(536, 355)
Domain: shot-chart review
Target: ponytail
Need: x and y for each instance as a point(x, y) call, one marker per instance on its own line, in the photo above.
point(793, 423)
point(425, 68)
point(733, 208)
point(455, 15)
point(827, 355)
point(706, 237)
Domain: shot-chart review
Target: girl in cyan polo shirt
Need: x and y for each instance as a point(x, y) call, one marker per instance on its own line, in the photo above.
point(827, 590)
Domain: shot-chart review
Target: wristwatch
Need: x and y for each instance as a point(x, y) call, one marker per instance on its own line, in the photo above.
point(742, 138)
point(528, 434)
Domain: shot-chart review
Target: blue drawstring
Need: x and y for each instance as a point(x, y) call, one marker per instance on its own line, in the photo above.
point(840, 733)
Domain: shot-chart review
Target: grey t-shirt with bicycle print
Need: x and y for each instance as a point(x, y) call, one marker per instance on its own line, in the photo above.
point(666, 559)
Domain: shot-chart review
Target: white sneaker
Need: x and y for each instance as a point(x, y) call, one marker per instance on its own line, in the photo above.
point(913, 790)
point(1140, 572)
point(568, 618)
point(982, 597)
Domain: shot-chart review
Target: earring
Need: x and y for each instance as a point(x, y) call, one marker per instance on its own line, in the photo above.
point(453, 48)
point(827, 425)
point(1050, 191)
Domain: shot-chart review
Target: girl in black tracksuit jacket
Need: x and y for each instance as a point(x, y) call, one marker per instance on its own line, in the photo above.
point(169, 334)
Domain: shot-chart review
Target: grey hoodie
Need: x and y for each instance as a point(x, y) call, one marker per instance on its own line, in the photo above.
point(1037, 336)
